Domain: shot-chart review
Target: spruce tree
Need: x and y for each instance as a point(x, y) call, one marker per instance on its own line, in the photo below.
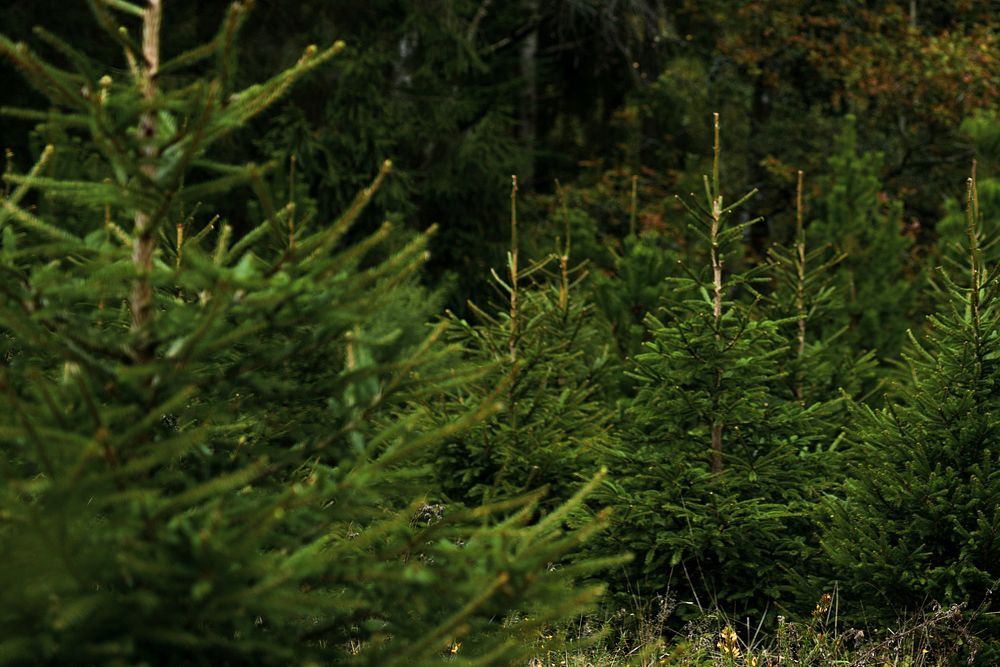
point(919, 521)
point(822, 371)
point(208, 441)
point(709, 481)
point(821, 364)
point(544, 344)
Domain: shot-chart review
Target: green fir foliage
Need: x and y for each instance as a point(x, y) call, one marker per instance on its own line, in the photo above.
point(714, 468)
point(207, 440)
point(546, 347)
point(263, 401)
point(919, 520)
point(952, 229)
point(820, 365)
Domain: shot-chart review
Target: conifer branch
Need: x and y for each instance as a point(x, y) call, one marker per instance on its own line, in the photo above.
point(145, 241)
point(66, 119)
point(106, 20)
point(10, 202)
point(125, 7)
point(456, 624)
point(59, 86)
point(250, 102)
point(35, 223)
point(325, 241)
point(227, 38)
point(74, 56)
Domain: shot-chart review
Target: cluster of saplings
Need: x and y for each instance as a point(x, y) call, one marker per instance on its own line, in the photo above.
point(259, 448)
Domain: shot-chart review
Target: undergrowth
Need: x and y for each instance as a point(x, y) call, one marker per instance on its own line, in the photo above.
point(940, 636)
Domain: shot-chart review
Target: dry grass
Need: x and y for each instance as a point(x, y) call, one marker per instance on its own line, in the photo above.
point(938, 638)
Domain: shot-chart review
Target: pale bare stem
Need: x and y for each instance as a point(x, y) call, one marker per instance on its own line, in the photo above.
point(180, 243)
point(800, 287)
point(716, 291)
point(151, 43)
point(716, 200)
point(564, 255)
point(514, 324)
point(716, 263)
point(513, 270)
point(971, 217)
point(145, 241)
point(717, 311)
point(350, 361)
point(564, 283)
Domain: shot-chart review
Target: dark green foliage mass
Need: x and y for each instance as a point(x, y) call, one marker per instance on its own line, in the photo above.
point(920, 520)
point(263, 400)
point(717, 462)
point(636, 287)
point(546, 347)
point(205, 438)
point(952, 228)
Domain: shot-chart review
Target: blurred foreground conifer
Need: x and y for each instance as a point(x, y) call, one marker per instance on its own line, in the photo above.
point(206, 444)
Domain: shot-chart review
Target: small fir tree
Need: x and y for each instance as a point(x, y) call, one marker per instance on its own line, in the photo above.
point(708, 483)
point(207, 442)
point(545, 346)
point(636, 282)
point(919, 521)
point(821, 365)
point(822, 371)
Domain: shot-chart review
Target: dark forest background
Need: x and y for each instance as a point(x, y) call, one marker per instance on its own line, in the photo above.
point(462, 94)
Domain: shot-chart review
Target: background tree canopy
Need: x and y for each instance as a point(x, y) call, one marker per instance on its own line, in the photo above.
point(462, 93)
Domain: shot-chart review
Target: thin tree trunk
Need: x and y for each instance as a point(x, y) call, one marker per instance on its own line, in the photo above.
point(145, 241)
point(716, 298)
point(800, 287)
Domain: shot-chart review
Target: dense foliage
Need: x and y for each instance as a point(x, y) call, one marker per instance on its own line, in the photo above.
point(206, 439)
point(268, 397)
